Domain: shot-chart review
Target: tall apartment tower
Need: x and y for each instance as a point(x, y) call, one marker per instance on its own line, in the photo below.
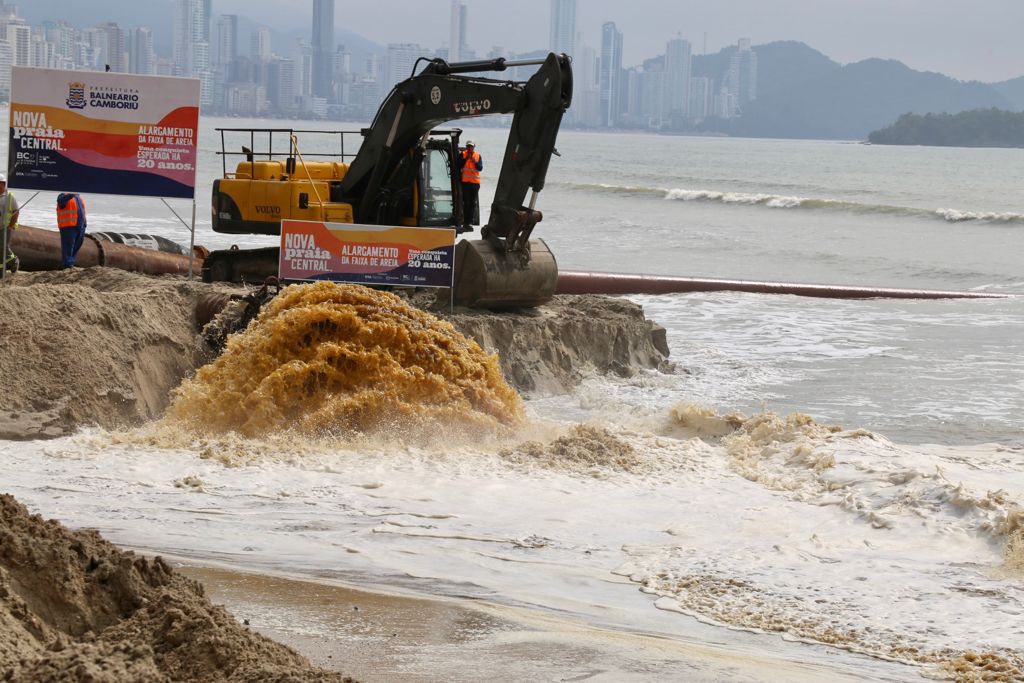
point(323, 47)
point(191, 36)
point(563, 27)
point(18, 35)
point(457, 50)
point(260, 45)
point(226, 42)
point(611, 74)
point(116, 47)
point(678, 60)
point(742, 75)
point(400, 61)
point(141, 54)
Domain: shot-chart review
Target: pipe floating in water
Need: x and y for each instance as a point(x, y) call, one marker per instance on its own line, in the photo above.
point(39, 249)
point(577, 282)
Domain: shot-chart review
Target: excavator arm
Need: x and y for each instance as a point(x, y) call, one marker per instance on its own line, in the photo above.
point(441, 93)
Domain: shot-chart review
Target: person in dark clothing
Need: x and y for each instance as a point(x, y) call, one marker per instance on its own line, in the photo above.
point(71, 221)
point(471, 164)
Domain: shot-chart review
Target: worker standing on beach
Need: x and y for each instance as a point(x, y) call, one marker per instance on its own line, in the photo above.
point(71, 221)
point(471, 164)
point(8, 221)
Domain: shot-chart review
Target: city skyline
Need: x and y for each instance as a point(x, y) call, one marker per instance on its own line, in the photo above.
point(967, 41)
point(318, 73)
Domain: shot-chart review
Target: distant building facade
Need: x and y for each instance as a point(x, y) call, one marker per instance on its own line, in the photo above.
point(611, 74)
point(563, 27)
point(323, 47)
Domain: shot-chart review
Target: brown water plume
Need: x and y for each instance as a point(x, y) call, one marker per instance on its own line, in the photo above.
point(332, 360)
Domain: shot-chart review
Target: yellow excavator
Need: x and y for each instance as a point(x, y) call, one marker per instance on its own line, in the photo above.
point(406, 172)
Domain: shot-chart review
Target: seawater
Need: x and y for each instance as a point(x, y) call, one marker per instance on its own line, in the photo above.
point(842, 473)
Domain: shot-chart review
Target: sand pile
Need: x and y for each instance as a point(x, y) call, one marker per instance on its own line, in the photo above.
point(95, 345)
point(548, 350)
point(75, 608)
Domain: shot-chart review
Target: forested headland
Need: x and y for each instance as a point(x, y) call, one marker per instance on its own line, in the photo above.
point(977, 128)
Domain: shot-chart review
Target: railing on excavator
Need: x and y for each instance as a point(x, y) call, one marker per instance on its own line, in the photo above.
point(285, 139)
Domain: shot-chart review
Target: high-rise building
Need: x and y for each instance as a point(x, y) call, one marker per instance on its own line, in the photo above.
point(92, 49)
point(586, 99)
point(652, 112)
point(5, 69)
point(701, 100)
point(401, 59)
point(457, 32)
point(677, 79)
point(742, 77)
point(282, 86)
point(323, 48)
point(141, 55)
point(62, 35)
point(116, 47)
point(226, 43)
point(191, 38)
point(18, 35)
point(611, 74)
point(261, 45)
point(563, 27)
point(43, 52)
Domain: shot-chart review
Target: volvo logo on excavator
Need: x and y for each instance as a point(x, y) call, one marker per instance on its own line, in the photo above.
point(435, 95)
point(270, 210)
point(472, 106)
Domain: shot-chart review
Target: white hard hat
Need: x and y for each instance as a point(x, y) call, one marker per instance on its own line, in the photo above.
point(470, 143)
point(3, 177)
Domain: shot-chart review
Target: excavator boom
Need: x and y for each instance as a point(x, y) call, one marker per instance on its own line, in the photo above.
point(439, 94)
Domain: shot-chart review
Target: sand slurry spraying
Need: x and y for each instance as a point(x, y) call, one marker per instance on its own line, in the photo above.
point(101, 346)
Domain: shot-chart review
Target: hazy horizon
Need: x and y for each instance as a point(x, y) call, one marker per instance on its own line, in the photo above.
point(967, 41)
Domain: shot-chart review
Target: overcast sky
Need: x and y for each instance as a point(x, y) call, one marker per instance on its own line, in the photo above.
point(978, 39)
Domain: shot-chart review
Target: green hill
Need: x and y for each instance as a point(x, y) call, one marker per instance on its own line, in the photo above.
point(979, 128)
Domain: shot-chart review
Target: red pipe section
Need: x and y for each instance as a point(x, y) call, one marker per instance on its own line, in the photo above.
point(39, 249)
point(571, 282)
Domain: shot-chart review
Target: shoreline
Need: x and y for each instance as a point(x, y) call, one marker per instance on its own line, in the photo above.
point(377, 636)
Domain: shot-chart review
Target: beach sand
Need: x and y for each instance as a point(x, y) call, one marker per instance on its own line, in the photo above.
point(379, 636)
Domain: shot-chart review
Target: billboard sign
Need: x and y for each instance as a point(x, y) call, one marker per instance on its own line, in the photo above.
point(367, 254)
point(104, 133)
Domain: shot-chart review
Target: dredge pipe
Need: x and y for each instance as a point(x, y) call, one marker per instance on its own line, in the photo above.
point(39, 249)
point(579, 282)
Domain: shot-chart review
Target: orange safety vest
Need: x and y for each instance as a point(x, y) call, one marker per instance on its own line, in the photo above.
point(68, 216)
point(471, 172)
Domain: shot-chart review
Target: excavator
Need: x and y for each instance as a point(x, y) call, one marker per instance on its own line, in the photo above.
point(406, 172)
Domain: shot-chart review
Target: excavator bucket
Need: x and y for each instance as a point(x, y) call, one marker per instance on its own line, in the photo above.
point(487, 276)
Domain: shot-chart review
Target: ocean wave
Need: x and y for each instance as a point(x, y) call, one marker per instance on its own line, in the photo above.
point(780, 201)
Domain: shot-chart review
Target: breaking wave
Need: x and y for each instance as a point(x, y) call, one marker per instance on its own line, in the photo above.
point(779, 201)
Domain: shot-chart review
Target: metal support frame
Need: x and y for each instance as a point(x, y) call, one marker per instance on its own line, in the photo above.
point(192, 232)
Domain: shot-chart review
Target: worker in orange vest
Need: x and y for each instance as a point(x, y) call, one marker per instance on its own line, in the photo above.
point(471, 164)
point(71, 221)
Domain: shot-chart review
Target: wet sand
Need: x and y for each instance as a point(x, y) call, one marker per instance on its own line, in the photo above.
point(378, 637)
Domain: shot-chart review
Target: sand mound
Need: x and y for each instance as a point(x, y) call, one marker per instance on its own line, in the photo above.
point(98, 345)
point(75, 608)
